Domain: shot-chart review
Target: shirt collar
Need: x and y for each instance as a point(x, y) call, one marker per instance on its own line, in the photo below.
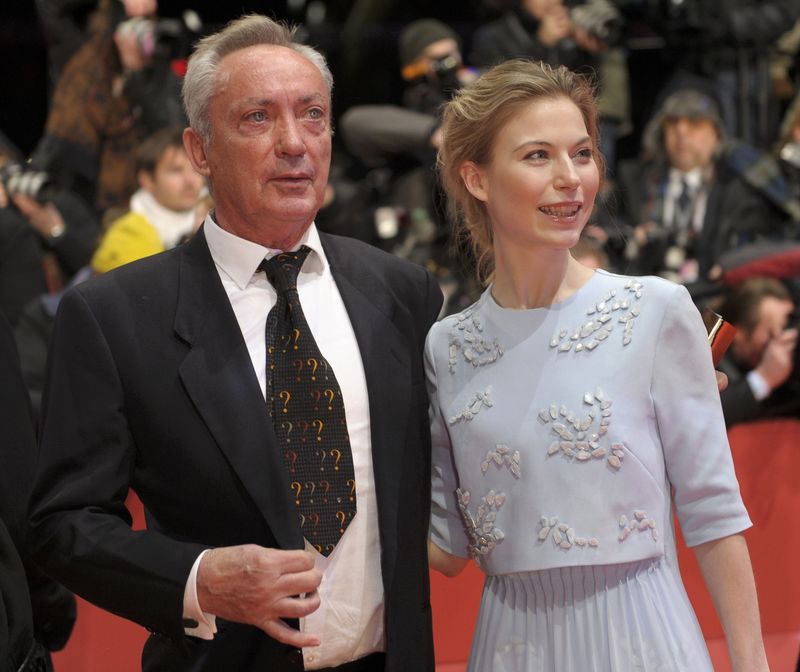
point(239, 258)
point(694, 178)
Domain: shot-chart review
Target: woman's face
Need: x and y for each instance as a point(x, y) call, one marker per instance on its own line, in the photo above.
point(540, 184)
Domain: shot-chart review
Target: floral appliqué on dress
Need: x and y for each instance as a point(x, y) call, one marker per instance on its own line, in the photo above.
point(601, 323)
point(575, 440)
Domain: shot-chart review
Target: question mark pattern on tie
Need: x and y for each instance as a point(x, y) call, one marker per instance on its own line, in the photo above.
point(307, 407)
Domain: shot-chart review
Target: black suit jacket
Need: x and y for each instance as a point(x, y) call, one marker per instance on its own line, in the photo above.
point(151, 387)
point(736, 215)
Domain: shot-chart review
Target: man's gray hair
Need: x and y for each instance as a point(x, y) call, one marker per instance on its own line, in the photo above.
point(202, 78)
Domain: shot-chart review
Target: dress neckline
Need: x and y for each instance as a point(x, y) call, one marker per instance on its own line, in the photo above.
point(488, 302)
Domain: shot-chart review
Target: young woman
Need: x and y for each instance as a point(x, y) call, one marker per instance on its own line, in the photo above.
point(571, 409)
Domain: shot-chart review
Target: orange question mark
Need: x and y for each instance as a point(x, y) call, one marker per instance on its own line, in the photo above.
point(330, 395)
point(352, 485)
point(318, 425)
point(313, 364)
point(296, 333)
point(341, 518)
point(284, 396)
point(338, 455)
point(299, 488)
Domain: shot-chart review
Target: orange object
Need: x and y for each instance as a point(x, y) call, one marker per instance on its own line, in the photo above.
point(720, 334)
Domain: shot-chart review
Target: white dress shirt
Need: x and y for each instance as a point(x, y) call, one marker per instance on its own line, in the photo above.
point(695, 180)
point(349, 620)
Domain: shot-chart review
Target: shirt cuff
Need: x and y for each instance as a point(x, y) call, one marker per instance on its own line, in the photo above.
point(758, 386)
point(206, 626)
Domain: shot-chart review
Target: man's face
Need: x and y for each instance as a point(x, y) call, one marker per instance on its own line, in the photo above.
point(174, 183)
point(690, 142)
point(270, 151)
point(773, 318)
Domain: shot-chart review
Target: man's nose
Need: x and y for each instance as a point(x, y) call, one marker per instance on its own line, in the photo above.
point(289, 140)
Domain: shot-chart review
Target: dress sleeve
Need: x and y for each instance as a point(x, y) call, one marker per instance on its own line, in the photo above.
point(692, 428)
point(446, 529)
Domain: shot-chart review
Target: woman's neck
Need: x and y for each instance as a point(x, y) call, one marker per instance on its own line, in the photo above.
point(524, 279)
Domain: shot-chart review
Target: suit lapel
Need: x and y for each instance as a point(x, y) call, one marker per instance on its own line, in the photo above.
point(218, 376)
point(387, 367)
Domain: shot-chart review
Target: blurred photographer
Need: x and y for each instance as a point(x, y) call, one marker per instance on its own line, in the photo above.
point(47, 233)
point(580, 35)
point(763, 380)
point(118, 88)
point(431, 65)
point(66, 26)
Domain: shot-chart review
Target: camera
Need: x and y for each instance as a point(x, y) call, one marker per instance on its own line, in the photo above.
point(601, 19)
point(445, 74)
point(20, 179)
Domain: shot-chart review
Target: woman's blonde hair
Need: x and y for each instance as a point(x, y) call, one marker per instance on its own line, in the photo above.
point(471, 123)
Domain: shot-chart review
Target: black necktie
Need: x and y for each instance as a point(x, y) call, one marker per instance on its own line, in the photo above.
point(683, 207)
point(307, 410)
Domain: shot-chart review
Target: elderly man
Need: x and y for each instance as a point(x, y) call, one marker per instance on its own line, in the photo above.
point(311, 506)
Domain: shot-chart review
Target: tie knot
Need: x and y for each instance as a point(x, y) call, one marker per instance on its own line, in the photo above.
point(282, 270)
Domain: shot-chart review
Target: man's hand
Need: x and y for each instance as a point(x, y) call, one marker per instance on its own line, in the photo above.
point(140, 7)
point(260, 586)
point(555, 26)
point(777, 361)
point(43, 217)
point(130, 51)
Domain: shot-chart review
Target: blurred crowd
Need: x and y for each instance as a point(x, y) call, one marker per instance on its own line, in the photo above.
point(700, 121)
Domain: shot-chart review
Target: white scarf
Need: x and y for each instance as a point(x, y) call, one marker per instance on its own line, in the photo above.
point(171, 225)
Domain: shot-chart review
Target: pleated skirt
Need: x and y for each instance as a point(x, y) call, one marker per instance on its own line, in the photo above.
point(604, 618)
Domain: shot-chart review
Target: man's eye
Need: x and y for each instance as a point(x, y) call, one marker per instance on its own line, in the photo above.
point(258, 116)
point(316, 113)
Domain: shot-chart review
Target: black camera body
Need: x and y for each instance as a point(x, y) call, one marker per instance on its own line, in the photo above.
point(39, 185)
point(445, 75)
point(600, 19)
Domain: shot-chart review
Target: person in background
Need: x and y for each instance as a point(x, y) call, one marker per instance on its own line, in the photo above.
point(163, 211)
point(37, 613)
point(684, 201)
point(763, 380)
point(47, 232)
point(571, 409)
point(112, 93)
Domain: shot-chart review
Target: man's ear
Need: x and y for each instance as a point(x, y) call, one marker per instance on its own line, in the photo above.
point(474, 180)
point(196, 150)
point(145, 180)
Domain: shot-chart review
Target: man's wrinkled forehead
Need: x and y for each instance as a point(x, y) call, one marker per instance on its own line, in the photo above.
point(272, 63)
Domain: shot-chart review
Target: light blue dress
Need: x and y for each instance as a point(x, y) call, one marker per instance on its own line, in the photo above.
point(562, 437)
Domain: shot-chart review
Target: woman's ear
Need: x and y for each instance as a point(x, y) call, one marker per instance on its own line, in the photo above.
point(474, 180)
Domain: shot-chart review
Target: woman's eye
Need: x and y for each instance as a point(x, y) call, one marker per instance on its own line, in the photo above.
point(536, 155)
point(585, 153)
